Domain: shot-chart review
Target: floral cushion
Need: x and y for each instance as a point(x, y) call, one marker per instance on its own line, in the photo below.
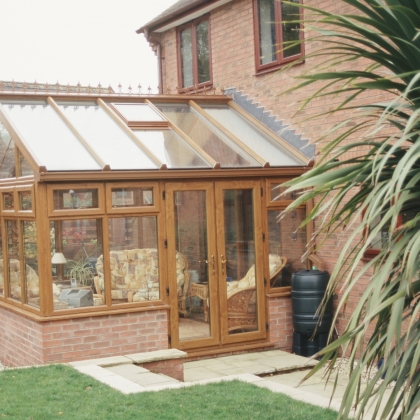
point(32, 280)
point(275, 263)
point(137, 270)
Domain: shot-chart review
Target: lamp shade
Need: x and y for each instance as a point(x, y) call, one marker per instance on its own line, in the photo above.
point(59, 258)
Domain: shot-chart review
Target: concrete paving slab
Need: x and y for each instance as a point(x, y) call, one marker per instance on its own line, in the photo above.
point(285, 363)
point(127, 369)
point(197, 374)
point(243, 363)
point(120, 383)
point(157, 355)
point(201, 363)
point(147, 379)
point(217, 365)
point(104, 361)
point(245, 377)
point(255, 370)
point(94, 371)
point(272, 353)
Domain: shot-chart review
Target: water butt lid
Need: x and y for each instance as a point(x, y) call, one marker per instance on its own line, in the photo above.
point(310, 279)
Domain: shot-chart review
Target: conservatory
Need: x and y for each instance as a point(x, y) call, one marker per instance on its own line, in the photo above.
point(138, 223)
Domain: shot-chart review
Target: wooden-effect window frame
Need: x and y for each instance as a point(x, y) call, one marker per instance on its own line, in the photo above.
point(280, 59)
point(280, 205)
point(193, 25)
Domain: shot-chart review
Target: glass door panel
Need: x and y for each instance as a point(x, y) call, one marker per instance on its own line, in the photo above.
point(191, 247)
point(239, 241)
point(240, 260)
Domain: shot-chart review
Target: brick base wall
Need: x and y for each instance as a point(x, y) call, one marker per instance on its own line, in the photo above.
point(20, 340)
point(24, 341)
point(173, 368)
point(280, 322)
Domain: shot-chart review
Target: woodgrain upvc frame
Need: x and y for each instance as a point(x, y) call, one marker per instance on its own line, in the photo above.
point(52, 212)
point(193, 25)
point(280, 59)
point(133, 209)
point(280, 205)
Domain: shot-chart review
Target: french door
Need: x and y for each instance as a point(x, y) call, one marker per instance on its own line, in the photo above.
point(214, 231)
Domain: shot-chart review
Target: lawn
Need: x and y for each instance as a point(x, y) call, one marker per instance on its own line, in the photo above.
point(60, 392)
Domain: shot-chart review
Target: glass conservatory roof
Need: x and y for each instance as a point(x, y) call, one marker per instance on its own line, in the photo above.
point(109, 134)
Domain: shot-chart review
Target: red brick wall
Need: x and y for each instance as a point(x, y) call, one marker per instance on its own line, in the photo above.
point(280, 322)
point(27, 342)
point(173, 368)
point(20, 340)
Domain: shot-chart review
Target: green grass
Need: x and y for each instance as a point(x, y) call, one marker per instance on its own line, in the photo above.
point(60, 392)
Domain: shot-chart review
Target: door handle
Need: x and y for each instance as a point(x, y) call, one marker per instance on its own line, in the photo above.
point(213, 269)
point(223, 261)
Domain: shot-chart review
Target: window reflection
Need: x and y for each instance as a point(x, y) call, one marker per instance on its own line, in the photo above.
point(13, 260)
point(7, 154)
point(286, 246)
point(75, 248)
point(30, 263)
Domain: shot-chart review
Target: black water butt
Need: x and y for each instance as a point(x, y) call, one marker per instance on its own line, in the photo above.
point(308, 289)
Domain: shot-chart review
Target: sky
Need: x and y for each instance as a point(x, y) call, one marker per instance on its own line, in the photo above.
point(71, 41)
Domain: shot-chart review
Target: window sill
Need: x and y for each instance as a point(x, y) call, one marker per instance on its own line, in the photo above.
point(196, 89)
point(278, 67)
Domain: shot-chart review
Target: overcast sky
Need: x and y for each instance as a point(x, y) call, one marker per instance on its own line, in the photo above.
point(71, 41)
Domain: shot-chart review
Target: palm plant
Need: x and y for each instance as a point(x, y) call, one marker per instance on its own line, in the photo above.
point(369, 192)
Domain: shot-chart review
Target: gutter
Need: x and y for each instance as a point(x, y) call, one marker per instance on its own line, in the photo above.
point(175, 14)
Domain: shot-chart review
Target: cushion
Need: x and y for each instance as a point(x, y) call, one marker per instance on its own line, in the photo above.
point(137, 270)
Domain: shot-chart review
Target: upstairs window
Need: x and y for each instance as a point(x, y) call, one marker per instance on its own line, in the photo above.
point(276, 24)
point(194, 54)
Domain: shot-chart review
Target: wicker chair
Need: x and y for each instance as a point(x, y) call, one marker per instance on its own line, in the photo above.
point(241, 303)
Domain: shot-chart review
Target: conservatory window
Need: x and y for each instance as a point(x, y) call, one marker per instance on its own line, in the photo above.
point(133, 260)
point(76, 246)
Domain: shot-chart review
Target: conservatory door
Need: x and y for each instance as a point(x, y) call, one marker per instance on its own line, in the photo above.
point(215, 230)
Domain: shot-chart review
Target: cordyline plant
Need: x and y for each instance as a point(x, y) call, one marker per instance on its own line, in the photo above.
point(371, 194)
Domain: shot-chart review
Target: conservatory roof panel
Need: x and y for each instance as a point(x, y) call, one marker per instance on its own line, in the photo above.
point(108, 132)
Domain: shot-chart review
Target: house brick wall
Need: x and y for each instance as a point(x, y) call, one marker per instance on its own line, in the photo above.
point(24, 341)
point(280, 322)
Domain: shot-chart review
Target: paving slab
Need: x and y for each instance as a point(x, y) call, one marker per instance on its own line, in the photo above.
point(150, 379)
point(199, 373)
point(127, 369)
point(158, 355)
point(104, 361)
point(216, 365)
point(254, 369)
